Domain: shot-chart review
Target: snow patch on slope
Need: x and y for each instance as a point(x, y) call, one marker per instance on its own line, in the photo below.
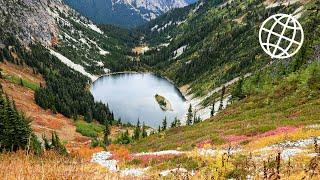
point(103, 158)
point(72, 65)
point(179, 51)
point(101, 51)
point(197, 8)
point(95, 28)
point(281, 3)
point(90, 25)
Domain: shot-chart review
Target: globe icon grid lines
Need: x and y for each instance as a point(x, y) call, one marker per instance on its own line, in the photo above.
point(296, 29)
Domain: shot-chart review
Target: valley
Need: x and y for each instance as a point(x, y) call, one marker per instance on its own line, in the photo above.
point(185, 93)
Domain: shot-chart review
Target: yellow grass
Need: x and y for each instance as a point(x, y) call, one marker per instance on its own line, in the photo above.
point(19, 165)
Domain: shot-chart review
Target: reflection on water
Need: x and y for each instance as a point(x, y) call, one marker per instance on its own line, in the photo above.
point(131, 96)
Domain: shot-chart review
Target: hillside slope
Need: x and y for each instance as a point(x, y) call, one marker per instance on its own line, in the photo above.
point(284, 93)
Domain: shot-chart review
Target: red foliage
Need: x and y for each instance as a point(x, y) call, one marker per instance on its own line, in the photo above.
point(203, 143)
point(236, 138)
point(146, 159)
point(277, 131)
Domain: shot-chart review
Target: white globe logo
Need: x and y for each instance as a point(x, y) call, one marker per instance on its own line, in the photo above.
point(281, 36)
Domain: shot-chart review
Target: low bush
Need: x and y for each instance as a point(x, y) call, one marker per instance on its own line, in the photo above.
point(89, 129)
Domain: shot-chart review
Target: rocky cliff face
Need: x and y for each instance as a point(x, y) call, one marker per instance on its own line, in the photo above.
point(30, 20)
point(40, 20)
point(150, 9)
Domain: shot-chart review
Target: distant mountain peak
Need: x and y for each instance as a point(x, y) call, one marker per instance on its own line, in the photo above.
point(125, 13)
point(150, 9)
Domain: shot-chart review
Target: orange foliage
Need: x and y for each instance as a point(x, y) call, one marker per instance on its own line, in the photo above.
point(84, 152)
point(52, 124)
point(54, 41)
point(119, 152)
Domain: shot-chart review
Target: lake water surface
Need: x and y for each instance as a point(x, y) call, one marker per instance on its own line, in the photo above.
point(131, 96)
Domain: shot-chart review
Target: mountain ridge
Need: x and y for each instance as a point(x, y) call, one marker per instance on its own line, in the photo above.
point(125, 13)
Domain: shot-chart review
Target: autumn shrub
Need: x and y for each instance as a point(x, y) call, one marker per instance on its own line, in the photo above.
point(119, 152)
point(85, 152)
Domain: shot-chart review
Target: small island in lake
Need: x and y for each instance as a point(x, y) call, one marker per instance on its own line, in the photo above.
point(163, 103)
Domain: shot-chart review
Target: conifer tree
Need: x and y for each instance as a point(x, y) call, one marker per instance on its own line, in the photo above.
point(6, 54)
point(55, 144)
point(15, 130)
point(164, 124)
point(1, 56)
point(189, 116)
point(174, 123)
point(212, 108)
point(223, 91)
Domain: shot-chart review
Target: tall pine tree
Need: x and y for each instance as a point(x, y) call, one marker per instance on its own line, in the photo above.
point(164, 124)
point(189, 116)
point(223, 91)
point(15, 130)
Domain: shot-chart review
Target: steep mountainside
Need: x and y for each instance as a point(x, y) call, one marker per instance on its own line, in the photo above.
point(75, 40)
point(125, 13)
point(211, 43)
point(67, 50)
point(29, 20)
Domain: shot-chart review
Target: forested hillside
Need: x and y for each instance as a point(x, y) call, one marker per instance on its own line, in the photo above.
point(64, 91)
point(212, 42)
